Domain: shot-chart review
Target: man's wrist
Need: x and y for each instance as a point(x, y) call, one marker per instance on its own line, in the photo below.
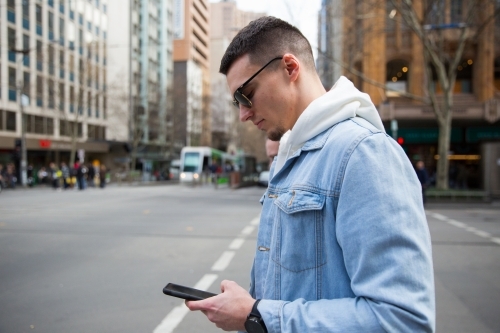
point(254, 322)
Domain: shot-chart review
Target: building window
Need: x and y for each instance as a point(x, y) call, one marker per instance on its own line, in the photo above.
point(397, 77)
point(61, 31)
point(10, 121)
point(39, 91)
point(456, 15)
point(11, 41)
point(61, 64)
point(39, 125)
point(67, 128)
point(97, 106)
point(71, 99)
point(51, 60)
point(51, 26)
point(26, 46)
point(61, 97)
point(11, 11)
point(26, 14)
point(80, 102)
point(38, 9)
point(12, 84)
point(39, 56)
point(39, 128)
point(49, 126)
point(52, 93)
point(27, 84)
point(89, 104)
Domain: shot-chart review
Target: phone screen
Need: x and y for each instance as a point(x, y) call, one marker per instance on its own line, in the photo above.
point(186, 293)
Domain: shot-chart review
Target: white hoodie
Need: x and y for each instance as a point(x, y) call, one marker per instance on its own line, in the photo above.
point(342, 102)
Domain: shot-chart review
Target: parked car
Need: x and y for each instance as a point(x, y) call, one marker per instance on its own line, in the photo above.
point(174, 170)
point(263, 178)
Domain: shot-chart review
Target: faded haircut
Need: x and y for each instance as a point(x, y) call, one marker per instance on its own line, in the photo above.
point(265, 38)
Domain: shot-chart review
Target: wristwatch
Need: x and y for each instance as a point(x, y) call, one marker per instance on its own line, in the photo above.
point(254, 322)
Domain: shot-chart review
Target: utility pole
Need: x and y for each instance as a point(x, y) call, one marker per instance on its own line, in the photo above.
point(20, 86)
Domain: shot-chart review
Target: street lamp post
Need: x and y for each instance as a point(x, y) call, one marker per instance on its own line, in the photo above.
point(24, 157)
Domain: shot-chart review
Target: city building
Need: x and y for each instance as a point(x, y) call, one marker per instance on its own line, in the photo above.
point(384, 58)
point(228, 133)
point(140, 87)
point(191, 118)
point(54, 53)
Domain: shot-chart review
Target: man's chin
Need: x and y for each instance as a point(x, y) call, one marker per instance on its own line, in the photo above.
point(274, 135)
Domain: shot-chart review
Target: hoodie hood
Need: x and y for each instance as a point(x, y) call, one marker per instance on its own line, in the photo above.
point(342, 102)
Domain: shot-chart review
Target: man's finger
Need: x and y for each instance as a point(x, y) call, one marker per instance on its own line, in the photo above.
point(195, 305)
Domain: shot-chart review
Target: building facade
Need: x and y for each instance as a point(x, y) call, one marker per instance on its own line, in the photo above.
point(228, 134)
point(141, 84)
point(384, 58)
point(191, 118)
point(54, 55)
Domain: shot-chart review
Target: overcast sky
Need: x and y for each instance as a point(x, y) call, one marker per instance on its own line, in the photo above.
point(301, 13)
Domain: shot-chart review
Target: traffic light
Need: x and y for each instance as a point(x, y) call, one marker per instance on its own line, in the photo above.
point(401, 140)
point(16, 154)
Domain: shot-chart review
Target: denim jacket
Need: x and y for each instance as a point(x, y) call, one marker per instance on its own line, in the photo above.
point(343, 243)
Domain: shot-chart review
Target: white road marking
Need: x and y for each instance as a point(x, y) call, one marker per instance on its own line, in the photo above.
point(223, 261)
point(464, 226)
point(236, 243)
point(247, 230)
point(174, 318)
point(170, 322)
point(177, 314)
point(439, 216)
point(255, 221)
point(457, 224)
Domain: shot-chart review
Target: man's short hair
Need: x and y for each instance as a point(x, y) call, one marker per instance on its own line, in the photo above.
point(265, 38)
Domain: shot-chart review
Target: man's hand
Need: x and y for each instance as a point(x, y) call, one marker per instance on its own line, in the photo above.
point(227, 310)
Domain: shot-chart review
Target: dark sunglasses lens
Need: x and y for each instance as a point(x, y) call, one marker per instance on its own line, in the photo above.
point(242, 99)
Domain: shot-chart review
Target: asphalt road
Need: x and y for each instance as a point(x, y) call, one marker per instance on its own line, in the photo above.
point(97, 260)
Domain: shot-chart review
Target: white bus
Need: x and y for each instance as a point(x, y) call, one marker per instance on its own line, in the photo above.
point(197, 162)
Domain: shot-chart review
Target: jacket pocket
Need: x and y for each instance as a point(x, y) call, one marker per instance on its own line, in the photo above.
point(299, 240)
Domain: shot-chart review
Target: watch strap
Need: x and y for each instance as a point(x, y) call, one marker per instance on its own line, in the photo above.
point(255, 312)
point(255, 317)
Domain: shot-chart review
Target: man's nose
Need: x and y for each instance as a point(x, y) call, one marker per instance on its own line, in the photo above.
point(245, 113)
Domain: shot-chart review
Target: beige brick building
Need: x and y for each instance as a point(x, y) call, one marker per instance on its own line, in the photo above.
point(379, 51)
point(192, 73)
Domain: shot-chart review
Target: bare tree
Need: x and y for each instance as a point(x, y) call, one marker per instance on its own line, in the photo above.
point(442, 49)
point(444, 43)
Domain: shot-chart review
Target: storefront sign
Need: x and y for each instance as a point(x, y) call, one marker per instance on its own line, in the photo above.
point(476, 134)
point(44, 143)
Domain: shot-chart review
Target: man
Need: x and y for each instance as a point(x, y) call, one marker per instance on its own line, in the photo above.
point(343, 243)
point(272, 150)
point(422, 176)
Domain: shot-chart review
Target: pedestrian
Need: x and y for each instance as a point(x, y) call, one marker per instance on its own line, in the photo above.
point(2, 177)
point(65, 175)
point(29, 174)
point(11, 176)
point(42, 175)
point(102, 176)
point(90, 175)
point(81, 172)
point(54, 175)
point(423, 178)
point(272, 148)
point(343, 242)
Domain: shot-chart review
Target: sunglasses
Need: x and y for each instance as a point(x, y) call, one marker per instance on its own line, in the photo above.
point(239, 97)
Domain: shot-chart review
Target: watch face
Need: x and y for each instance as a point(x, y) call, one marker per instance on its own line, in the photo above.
point(253, 325)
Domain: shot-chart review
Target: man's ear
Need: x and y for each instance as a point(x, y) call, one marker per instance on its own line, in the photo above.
point(292, 66)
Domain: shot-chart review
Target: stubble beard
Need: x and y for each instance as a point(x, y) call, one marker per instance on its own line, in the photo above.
point(276, 134)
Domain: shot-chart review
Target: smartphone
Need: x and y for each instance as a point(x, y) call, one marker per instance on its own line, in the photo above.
point(186, 293)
